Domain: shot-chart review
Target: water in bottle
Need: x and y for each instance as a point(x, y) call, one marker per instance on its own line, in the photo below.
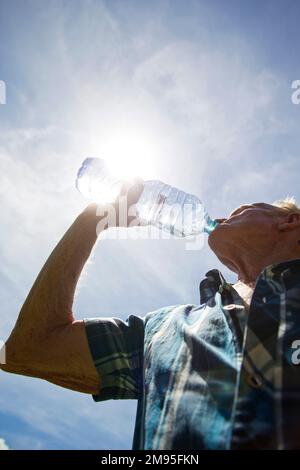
point(161, 205)
point(173, 210)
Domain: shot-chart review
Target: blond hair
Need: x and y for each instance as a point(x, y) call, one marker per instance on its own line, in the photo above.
point(288, 204)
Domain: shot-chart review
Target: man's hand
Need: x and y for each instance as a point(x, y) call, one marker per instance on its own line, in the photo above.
point(129, 196)
point(120, 213)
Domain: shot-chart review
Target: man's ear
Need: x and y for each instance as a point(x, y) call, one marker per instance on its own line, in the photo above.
point(290, 222)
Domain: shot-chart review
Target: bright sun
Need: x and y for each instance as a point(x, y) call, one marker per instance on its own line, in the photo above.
point(129, 154)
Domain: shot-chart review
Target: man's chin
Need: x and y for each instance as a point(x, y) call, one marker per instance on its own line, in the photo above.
point(217, 243)
point(228, 264)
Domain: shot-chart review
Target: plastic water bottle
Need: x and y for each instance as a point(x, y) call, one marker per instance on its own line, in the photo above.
point(173, 210)
point(161, 205)
point(96, 182)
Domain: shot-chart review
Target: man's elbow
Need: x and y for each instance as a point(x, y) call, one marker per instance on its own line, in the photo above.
point(9, 357)
point(33, 363)
point(18, 358)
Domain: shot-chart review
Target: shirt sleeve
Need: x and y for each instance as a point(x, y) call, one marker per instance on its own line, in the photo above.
point(117, 349)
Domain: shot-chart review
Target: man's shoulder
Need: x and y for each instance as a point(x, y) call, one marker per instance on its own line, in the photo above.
point(283, 270)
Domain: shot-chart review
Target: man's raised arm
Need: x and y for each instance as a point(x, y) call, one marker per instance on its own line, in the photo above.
point(47, 342)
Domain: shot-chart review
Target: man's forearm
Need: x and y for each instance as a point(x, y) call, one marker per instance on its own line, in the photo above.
point(49, 303)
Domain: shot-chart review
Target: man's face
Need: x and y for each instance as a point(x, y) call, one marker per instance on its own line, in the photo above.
point(249, 227)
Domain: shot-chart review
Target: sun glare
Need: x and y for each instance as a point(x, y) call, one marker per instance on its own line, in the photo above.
point(127, 153)
point(130, 154)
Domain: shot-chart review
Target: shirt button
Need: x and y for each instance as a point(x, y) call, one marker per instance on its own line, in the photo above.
point(229, 307)
point(233, 306)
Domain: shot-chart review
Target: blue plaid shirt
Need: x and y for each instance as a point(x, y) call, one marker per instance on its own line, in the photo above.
point(209, 376)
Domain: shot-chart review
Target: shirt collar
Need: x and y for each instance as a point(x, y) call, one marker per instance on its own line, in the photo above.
point(215, 282)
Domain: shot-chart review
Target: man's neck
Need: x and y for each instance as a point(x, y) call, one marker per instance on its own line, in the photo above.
point(250, 265)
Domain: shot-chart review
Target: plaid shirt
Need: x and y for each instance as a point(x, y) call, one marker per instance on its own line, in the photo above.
point(209, 376)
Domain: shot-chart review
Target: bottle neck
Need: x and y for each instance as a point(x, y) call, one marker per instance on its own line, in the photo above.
point(210, 224)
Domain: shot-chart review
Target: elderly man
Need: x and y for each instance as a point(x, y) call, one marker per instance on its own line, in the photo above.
point(223, 374)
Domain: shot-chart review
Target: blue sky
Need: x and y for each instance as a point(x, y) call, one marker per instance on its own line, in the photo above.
point(199, 91)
